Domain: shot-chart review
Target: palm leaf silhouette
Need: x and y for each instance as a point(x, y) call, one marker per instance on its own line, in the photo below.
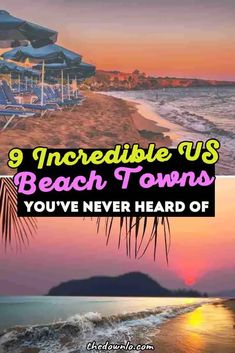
point(138, 233)
point(13, 228)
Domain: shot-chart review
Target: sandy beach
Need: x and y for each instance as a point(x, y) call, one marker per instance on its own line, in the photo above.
point(101, 122)
point(208, 329)
point(150, 119)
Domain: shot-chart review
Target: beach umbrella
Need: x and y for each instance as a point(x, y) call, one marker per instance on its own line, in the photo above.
point(48, 54)
point(76, 71)
point(51, 53)
point(84, 70)
point(7, 67)
point(27, 74)
point(16, 32)
point(10, 68)
point(32, 72)
point(57, 70)
point(81, 70)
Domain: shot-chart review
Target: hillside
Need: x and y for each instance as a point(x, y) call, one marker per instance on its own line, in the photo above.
point(116, 80)
point(134, 284)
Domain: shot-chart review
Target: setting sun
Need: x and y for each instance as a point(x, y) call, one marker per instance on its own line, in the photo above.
point(190, 281)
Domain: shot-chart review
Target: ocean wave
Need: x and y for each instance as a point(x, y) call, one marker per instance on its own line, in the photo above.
point(190, 120)
point(196, 114)
point(72, 335)
point(183, 109)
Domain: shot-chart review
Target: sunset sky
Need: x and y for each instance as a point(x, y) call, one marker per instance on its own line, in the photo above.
point(202, 252)
point(182, 38)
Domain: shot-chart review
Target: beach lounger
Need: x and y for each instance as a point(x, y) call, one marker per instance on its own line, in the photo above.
point(7, 98)
point(77, 97)
point(54, 95)
point(9, 115)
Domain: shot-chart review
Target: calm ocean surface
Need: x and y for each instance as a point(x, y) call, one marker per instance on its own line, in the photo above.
point(197, 114)
point(36, 310)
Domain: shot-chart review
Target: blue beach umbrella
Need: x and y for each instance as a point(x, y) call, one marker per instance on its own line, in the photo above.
point(33, 72)
point(10, 68)
point(57, 70)
point(84, 70)
point(15, 32)
point(81, 71)
point(47, 54)
point(27, 73)
point(7, 67)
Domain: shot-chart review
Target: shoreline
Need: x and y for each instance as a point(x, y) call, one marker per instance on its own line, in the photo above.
point(101, 121)
point(176, 132)
point(207, 329)
point(151, 119)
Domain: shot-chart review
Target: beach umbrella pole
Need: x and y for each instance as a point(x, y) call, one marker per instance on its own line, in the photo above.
point(76, 86)
point(68, 86)
point(62, 85)
point(19, 82)
point(42, 87)
point(10, 80)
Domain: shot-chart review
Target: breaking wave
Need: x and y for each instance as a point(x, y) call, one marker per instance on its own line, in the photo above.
point(72, 335)
point(196, 114)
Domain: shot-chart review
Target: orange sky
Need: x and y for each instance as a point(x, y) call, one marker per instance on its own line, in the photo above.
point(66, 248)
point(166, 37)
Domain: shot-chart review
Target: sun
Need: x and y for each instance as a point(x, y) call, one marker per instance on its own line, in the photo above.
point(190, 281)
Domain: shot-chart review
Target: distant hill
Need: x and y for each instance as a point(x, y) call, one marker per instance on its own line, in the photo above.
point(136, 80)
point(134, 284)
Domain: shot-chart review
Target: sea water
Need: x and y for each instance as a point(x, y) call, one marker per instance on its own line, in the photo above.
point(196, 114)
point(33, 310)
point(46, 322)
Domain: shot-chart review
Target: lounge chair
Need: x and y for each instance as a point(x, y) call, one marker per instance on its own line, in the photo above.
point(77, 97)
point(5, 104)
point(54, 95)
point(7, 98)
point(9, 115)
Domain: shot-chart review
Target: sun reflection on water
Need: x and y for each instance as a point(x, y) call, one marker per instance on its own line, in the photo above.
point(196, 319)
point(208, 328)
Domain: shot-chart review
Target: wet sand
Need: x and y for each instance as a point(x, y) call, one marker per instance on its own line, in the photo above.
point(101, 122)
point(208, 329)
point(152, 120)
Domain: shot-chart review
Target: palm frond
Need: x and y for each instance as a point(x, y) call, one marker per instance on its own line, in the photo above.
point(13, 228)
point(138, 234)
